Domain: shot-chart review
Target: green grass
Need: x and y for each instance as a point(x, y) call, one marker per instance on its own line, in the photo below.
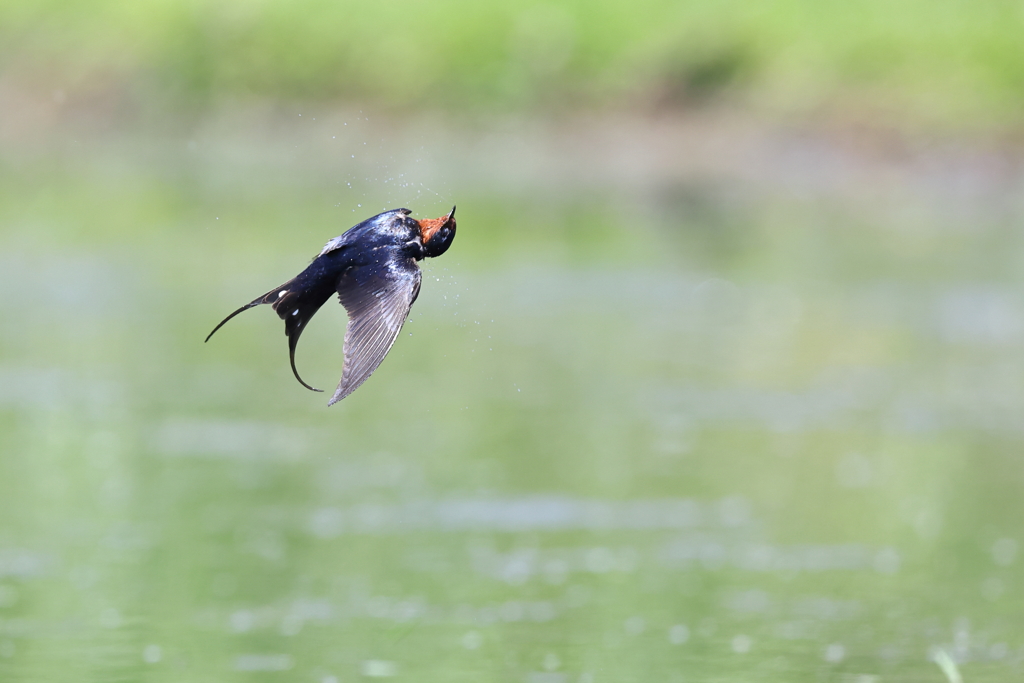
point(947, 62)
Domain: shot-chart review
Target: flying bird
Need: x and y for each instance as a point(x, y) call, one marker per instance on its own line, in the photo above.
point(372, 268)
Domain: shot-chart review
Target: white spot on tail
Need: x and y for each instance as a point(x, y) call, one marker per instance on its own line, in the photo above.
point(295, 312)
point(282, 293)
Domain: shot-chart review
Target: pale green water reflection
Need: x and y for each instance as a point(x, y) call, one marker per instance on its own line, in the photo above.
point(691, 432)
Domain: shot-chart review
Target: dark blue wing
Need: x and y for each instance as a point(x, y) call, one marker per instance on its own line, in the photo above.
point(378, 298)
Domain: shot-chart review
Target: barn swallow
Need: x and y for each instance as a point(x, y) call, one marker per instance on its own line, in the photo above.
point(372, 267)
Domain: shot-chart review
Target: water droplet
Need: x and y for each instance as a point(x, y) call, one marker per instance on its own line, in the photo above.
point(242, 621)
point(887, 561)
point(678, 634)
point(379, 668)
point(835, 653)
point(151, 654)
point(741, 644)
point(110, 618)
point(993, 588)
point(1004, 551)
point(472, 640)
point(635, 626)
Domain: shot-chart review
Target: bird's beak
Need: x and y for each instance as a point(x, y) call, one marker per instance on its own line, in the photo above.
point(429, 226)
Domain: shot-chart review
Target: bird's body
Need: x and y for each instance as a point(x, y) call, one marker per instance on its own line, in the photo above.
point(372, 268)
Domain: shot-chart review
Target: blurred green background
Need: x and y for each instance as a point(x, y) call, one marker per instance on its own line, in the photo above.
point(942, 63)
point(721, 379)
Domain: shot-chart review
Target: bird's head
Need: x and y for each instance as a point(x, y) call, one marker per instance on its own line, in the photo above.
point(437, 234)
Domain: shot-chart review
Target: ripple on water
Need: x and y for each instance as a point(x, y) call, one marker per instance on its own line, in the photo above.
point(263, 662)
point(529, 513)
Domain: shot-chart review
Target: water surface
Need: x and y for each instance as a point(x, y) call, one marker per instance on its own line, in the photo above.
point(751, 424)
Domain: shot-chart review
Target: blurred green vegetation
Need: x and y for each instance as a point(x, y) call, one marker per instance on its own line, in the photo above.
point(818, 351)
point(947, 62)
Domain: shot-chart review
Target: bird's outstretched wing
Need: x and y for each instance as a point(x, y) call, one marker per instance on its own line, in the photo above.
point(378, 298)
